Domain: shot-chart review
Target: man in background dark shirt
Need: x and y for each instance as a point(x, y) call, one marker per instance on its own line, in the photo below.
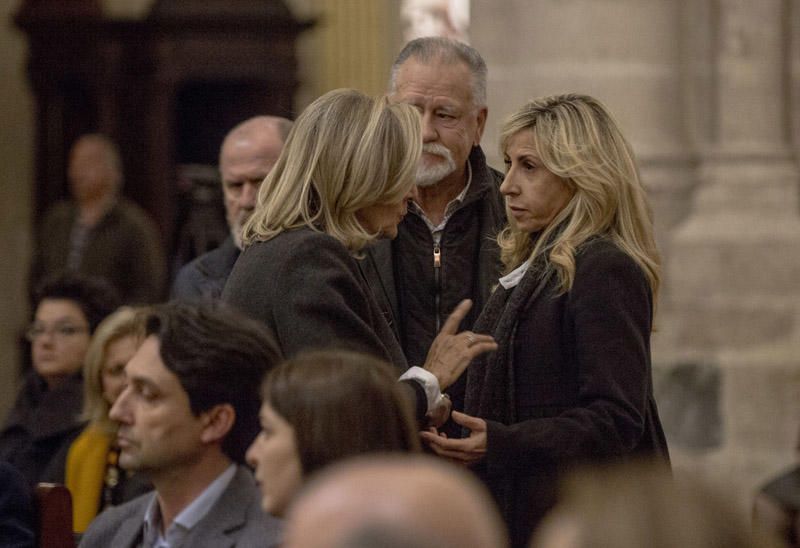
point(247, 155)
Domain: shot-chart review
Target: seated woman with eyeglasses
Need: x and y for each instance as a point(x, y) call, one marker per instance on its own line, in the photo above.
point(45, 418)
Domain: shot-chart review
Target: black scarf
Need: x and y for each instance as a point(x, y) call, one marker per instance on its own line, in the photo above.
point(490, 378)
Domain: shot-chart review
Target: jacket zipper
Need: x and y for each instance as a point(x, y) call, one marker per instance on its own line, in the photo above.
point(437, 277)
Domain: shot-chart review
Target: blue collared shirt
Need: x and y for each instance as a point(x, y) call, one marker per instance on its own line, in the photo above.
point(187, 518)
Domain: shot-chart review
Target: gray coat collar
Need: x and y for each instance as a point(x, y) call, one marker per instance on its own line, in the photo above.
point(220, 527)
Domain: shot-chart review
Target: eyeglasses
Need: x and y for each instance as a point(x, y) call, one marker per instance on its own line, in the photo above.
point(61, 331)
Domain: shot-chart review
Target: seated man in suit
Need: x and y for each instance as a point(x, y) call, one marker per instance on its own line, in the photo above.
point(186, 417)
point(247, 155)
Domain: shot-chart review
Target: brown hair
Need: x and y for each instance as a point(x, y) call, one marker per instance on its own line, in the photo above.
point(341, 404)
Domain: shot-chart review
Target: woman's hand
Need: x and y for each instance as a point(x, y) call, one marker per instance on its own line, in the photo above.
point(466, 451)
point(452, 352)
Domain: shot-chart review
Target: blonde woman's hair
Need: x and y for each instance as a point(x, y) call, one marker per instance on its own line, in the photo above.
point(578, 140)
point(345, 152)
point(124, 322)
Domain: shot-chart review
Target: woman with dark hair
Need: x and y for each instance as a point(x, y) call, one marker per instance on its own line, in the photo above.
point(45, 418)
point(321, 407)
point(571, 380)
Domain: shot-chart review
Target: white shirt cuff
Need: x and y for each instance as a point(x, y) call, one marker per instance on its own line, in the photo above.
point(429, 382)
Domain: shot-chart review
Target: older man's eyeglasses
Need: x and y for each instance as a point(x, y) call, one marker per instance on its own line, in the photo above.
point(60, 331)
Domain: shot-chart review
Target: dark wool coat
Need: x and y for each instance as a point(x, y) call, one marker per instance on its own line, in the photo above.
point(17, 520)
point(571, 382)
point(307, 288)
point(41, 427)
point(311, 292)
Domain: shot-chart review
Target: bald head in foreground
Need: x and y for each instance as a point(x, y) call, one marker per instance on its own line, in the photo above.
point(387, 501)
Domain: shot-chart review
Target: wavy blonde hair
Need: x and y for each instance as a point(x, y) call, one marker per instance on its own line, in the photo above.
point(124, 322)
point(578, 140)
point(345, 152)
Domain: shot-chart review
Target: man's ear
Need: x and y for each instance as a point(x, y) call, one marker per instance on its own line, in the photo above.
point(483, 112)
point(217, 422)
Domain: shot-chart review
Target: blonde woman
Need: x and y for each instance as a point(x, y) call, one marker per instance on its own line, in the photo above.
point(570, 381)
point(343, 180)
point(92, 475)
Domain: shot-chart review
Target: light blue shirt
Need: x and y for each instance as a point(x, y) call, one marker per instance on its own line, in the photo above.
point(188, 517)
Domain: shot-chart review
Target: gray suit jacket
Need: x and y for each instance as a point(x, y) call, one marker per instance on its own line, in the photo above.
point(235, 520)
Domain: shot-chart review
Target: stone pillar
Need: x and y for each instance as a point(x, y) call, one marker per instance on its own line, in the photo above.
point(735, 261)
point(16, 197)
point(624, 52)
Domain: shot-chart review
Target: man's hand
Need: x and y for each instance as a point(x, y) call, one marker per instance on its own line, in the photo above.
point(452, 352)
point(465, 451)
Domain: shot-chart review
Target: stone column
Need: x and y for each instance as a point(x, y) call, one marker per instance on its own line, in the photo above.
point(735, 261)
point(624, 52)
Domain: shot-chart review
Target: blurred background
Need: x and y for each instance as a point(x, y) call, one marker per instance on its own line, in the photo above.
point(708, 92)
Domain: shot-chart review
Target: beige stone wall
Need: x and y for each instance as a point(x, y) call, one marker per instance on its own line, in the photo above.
point(352, 45)
point(16, 123)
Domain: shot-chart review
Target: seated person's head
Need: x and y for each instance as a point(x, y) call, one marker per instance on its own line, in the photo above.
point(192, 388)
point(641, 504)
point(68, 308)
point(347, 168)
point(95, 168)
point(321, 407)
point(113, 345)
point(412, 501)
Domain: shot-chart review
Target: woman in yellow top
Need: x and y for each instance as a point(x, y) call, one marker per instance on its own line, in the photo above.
point(92, 475)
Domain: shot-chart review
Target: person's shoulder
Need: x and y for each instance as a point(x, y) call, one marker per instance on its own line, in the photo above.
point(305, 242)
point(243, 495)
point(212, 264)
point(599, 260)
point(260, 528)
point(601, 250)
point(105, 526)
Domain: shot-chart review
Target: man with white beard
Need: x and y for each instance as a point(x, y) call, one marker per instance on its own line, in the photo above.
point(246, 157)
point(445, 249)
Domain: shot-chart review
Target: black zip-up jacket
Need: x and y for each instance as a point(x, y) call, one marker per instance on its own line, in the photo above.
point(418, 286)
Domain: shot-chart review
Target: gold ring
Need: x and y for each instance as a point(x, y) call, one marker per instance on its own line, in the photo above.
point(470, 339)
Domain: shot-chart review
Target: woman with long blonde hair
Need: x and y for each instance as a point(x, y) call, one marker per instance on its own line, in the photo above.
point(93, 475)
point(343, 180)
point(571, 380)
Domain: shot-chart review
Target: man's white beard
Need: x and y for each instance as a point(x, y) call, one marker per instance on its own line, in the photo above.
point(429, 175)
